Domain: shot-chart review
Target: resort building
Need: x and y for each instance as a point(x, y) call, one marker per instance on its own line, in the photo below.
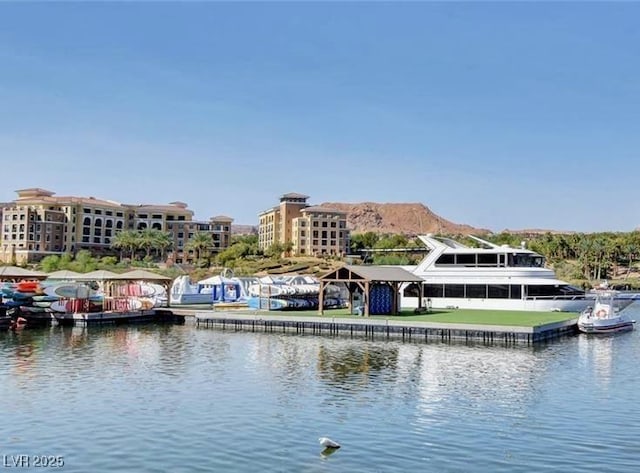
point(311, 230)
point(39, 223)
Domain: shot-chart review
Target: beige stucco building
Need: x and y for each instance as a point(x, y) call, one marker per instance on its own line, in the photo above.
point(39, 223)
point(312, 230)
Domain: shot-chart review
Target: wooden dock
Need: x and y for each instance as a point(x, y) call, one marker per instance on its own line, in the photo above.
point(379, 328)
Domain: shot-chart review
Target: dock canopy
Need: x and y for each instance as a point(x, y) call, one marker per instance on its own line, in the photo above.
point(371, 281)
point(64, 275)
point(10, 273)
point(99, 275)
point(141, 275)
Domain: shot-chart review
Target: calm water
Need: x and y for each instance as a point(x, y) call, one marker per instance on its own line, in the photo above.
point(187, 399)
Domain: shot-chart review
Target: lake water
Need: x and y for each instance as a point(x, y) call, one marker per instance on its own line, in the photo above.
point(188, 399)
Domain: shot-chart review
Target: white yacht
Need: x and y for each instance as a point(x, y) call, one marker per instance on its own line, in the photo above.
point(496, 277)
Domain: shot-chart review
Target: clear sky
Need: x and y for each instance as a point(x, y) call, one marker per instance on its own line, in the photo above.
point(498, 115)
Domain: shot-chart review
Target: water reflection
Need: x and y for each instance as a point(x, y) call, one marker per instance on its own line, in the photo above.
point(161, 396)
point(339, 364)
point(597, 351)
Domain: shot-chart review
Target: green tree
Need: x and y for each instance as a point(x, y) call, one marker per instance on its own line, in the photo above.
point(274, 251)
point(163, 242)
point(148, 240)
point(50, 263)
point(126, 240)
point(201, 244)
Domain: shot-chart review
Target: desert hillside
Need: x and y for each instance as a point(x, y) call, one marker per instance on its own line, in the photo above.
point(409, 219)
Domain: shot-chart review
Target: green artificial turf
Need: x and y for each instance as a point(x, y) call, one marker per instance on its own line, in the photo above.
point(453, 316)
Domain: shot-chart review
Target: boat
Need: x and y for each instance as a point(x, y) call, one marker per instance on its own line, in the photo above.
point(606, 314)
point(184, 292)
point(490, 276)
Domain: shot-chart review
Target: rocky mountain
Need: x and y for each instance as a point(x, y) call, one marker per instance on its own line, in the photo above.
point(409, 219)
point(244, 230)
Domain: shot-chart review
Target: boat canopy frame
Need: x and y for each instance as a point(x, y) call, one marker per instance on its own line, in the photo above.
point(363, 277)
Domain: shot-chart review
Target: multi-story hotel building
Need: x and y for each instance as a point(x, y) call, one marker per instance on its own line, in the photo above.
point(313, 231)
point(38, 224)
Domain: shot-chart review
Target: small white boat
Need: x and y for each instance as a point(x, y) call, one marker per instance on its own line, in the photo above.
point(605, 316)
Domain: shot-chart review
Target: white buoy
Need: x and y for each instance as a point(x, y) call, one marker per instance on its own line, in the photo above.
point(326, 442)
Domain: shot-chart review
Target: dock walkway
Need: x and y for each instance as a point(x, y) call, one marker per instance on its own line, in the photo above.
point(371, 328)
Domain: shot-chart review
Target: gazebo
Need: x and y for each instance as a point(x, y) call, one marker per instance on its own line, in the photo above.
point(363, 278)
point(147, 276)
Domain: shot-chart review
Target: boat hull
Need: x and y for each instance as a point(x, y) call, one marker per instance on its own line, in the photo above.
point(613, 327)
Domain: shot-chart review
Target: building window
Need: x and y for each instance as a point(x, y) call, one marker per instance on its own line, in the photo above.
point(98, 212)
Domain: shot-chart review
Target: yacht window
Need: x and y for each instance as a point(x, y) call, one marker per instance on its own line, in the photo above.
point(476, 291)
point(516, 291)
point(466, 260)
point(487, 260)
point(454, 290)
point(553, 291)
point(498, 291)
point(526, 260)
point(446, 259)
point(433, 290)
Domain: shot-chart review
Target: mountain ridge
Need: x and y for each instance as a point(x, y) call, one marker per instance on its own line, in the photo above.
point(406, 218)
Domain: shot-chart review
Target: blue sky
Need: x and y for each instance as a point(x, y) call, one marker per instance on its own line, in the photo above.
point(497, 115)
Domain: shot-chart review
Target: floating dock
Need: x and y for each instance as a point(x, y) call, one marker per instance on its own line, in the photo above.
point(113, 318)
point(377, 328)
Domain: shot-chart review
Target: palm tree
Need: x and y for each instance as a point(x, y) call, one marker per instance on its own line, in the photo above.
point(147, 240)
point(163, 242)
point(200, 243)
point(126, 240)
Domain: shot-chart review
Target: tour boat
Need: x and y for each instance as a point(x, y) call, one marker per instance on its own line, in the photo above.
point(493, 277)
point(605, 315)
